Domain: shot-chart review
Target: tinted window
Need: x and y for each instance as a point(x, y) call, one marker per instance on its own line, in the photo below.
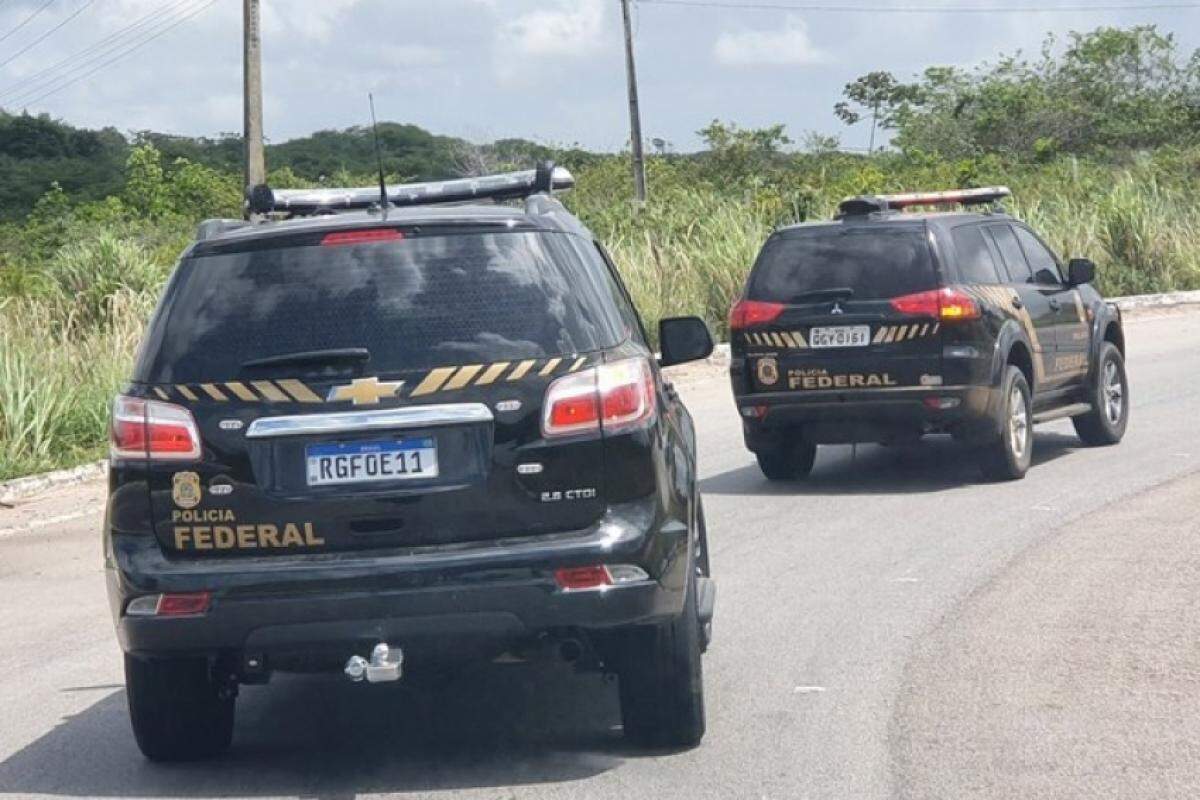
point(1010, 252)
point(425, 301)
point(876, 263)
point(1041, 260)
point(975, 262)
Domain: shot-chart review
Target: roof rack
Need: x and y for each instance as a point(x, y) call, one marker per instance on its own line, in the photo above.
point(545, 179)
point(879, 203)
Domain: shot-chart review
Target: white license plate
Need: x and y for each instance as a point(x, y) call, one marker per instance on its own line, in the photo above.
point(840, 336)
point(371, 462)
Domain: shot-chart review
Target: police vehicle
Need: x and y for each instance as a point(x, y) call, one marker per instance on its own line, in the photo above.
point(395, 439)
point(882, 326)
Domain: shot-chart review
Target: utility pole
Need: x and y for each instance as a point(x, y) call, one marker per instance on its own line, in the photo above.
point(635, 117)
point(256, 165)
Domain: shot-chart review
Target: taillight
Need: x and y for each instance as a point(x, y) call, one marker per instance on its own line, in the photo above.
point(946, 304)
point(748, 313)
point(366, 236)
point(607, 398)
point(150, 429)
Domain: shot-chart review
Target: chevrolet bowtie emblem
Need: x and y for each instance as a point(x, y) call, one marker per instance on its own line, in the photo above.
point(364, 391)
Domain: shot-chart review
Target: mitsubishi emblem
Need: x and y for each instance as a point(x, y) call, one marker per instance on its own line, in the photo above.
point(837, 308)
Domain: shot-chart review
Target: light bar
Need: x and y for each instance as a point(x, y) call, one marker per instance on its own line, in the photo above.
point(505, 186)
point(965, 197)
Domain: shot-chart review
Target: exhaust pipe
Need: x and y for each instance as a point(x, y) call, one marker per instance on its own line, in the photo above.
point(385, 666)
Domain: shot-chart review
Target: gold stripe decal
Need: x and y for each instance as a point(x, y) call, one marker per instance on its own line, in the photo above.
point(240, 390)
point(492, 372)
point(520, 370)
point(800, 340)
point(551, 365)
point(879, 334)
point(788, 340)
point(298, 391)
point(462, 377)
point(578, 363)
point(161, 394)
point(270, 391)
point(433, 381)
point(214, 392)
point(186, 392)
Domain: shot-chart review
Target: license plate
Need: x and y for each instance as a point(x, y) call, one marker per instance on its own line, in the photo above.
point(840, 336)
point(371, 462)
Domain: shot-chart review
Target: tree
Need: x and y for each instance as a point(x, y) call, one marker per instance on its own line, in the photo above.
point(876, 93)
point(740, 152)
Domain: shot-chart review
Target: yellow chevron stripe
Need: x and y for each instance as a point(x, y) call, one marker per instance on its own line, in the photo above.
point(186, 392)
point(578, 363)
point(551, 365)
point(214, 392)
point(433, 381)
point(788, 340)
point(492, 372)
point(891, 334)
point(161, 394)
point(270, 391)
point(800, 340)
point(298, 390)
point(520, 370)
point(462, 377)
point(879, 334)
point(240, 390)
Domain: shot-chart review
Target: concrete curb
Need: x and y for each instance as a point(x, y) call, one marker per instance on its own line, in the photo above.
point(22, 488)
point(1136, 301)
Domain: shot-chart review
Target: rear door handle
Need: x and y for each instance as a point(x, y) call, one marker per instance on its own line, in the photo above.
point(1016, 301)
point(1055, 305)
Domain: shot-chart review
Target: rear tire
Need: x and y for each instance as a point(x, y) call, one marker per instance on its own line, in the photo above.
point(178, 711)
point(790, 461)
point(1007, 458)
point(662, 682)
point(1109, 395)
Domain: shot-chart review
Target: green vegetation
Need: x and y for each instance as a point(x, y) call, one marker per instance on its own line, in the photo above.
point(1099, 144)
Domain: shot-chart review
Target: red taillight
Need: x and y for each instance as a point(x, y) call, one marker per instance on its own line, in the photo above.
point(577, 578)
point(608, 397)
point(748, 313)
point(362, 237)
point(150, 429)
point(178, 605)
point(946, 304)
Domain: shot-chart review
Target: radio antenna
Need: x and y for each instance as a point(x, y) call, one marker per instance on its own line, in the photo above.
point(383, 198)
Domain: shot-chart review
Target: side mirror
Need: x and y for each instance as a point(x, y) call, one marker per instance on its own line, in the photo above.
point(683, 339)
point(1080, 271)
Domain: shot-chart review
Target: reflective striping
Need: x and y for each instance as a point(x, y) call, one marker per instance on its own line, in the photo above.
point(492, 372)
point(186, 392)
point(912, 332)
point(162, 395)
point(433, 381)
point(462, 377)
point(520, 370)
point(270, 391)
point(879, 334)
point(891, 334)
point(298, 391)
point(788, 340)
point(240, 390)
point(925, 329)
point(214, 392)
point(551, 365)
point(579, 362)
point(800, 340)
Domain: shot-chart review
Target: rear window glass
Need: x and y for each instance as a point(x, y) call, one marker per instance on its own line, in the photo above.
point(975, 262)
point(874, 263)
point(424, 301)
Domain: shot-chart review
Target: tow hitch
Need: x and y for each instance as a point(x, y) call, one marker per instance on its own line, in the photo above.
point(386, 665)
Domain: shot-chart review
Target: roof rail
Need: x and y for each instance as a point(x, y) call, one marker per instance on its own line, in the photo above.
point(869, 204)
point(547, 178)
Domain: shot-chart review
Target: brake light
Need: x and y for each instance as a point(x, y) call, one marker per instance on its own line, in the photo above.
point(946, 304)
point(577, 578)
point(748, 313)
point(183, 604)
point(154, 430)
point(367, 236)
point(606, 398)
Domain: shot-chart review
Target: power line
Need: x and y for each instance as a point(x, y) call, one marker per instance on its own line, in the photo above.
point(26, 83)
point(25, 99)
point(48, 33)
point(28, 19)
point(873, 9)
point(122, 54)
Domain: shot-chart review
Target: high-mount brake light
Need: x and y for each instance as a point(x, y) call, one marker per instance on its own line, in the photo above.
point(367, 236)
point(946, 304)
point(149, 429)
point(749, 313)
point(608, 398)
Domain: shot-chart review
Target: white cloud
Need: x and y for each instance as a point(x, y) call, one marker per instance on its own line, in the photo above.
point(574, 29)
point(781, 46)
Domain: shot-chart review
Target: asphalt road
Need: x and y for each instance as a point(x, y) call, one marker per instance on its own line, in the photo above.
point(892, 628)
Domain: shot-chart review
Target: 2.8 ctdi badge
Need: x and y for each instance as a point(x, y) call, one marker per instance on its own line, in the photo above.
point(185, 489)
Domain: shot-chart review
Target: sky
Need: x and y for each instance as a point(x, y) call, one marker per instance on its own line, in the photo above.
point(548, 70)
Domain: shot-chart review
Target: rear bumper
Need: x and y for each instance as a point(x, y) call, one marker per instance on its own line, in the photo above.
point(456, 600)
point(867, 415)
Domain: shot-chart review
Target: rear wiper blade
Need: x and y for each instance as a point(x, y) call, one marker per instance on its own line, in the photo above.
point(326, 356)
point(841, 293)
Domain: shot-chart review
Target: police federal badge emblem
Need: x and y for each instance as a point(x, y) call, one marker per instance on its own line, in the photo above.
point(185, 489)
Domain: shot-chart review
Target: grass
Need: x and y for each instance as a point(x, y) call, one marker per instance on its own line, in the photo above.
point(70, 322)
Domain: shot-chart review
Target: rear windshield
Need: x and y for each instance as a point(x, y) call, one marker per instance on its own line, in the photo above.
point(875, 263)
point(425, 301)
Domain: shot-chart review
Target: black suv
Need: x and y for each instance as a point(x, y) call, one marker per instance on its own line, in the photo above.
point(393, 440)
point(882, 326)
